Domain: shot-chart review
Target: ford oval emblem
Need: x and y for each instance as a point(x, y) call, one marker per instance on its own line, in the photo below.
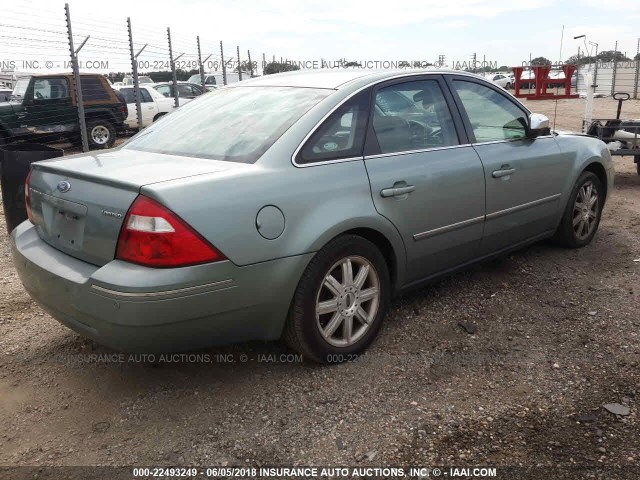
point(64, 186)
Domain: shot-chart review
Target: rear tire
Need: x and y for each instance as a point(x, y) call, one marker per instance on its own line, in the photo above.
point(582, 214)
point(158, 116)
point(340, 301)
point(101, 134)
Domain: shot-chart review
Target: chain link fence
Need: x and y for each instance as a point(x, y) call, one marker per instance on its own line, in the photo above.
point(80, 48)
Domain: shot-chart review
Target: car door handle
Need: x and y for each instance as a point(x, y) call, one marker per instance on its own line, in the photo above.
point(503, 172)
point(396, 191)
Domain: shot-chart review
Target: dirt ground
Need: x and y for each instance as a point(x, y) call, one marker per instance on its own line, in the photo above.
point(557, 338)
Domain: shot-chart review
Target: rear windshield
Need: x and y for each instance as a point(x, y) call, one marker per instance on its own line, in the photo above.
point(233, 124)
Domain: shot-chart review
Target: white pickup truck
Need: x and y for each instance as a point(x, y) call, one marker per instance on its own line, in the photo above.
point(152, 103)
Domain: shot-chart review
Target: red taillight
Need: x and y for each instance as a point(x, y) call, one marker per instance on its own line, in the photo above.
point(27, 197)
point(154, 236)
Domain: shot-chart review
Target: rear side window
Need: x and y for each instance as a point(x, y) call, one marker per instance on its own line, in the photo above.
point(93, 89)
point(145, 97)
point(164, 90)
point(185, 91)
point(127, 93)
point(129, 96)
point(341, 135)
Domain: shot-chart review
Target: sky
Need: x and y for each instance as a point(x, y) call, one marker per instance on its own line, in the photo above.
point(505, 32)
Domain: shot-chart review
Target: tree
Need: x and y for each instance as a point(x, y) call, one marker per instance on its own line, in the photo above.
point(352, 64)
point(612, 56)
point(579, 60)
point(421, 64)
point(504, 68)
point(403, 64)
point(278, 67)
point(541, 61)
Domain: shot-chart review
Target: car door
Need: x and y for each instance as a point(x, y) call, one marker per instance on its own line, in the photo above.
point(49, 110)
point(524, 176)
point(425, 177)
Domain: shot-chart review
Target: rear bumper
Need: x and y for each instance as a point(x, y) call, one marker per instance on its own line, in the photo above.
point(133, 308)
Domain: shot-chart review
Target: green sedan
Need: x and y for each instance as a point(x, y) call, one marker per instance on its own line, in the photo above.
point(296, 206)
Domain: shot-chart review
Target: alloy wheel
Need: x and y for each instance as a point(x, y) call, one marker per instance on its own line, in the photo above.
point(585, 210)
point(100, 134)
point(347, 301)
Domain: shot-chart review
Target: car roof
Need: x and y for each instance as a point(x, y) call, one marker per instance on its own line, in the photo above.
point(336, 79)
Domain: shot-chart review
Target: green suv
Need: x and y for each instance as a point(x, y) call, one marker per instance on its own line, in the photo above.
point(43, 108)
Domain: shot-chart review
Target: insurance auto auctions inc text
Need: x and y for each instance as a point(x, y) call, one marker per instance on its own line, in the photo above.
point(368, 472)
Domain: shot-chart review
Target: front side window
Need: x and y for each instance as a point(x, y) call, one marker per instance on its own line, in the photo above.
point(21, 86)
point(51, 88)
point(232, 124)
point(341, 135)
point(412, 116)
point(493, 116)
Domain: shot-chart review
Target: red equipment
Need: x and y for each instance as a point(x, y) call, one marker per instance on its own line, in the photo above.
point(542, 81)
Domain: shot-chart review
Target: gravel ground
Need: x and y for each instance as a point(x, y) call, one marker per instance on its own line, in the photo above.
point(557, 338)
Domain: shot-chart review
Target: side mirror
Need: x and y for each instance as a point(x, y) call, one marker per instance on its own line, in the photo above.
point(538, 125)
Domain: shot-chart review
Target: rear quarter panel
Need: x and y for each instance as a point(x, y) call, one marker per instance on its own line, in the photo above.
point(318, 204)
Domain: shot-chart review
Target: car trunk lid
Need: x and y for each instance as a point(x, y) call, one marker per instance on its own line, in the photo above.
point(79, 203)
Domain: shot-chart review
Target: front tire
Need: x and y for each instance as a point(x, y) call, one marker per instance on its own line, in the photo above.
point(582, 215)
point(340, 301)
point(101, 134)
